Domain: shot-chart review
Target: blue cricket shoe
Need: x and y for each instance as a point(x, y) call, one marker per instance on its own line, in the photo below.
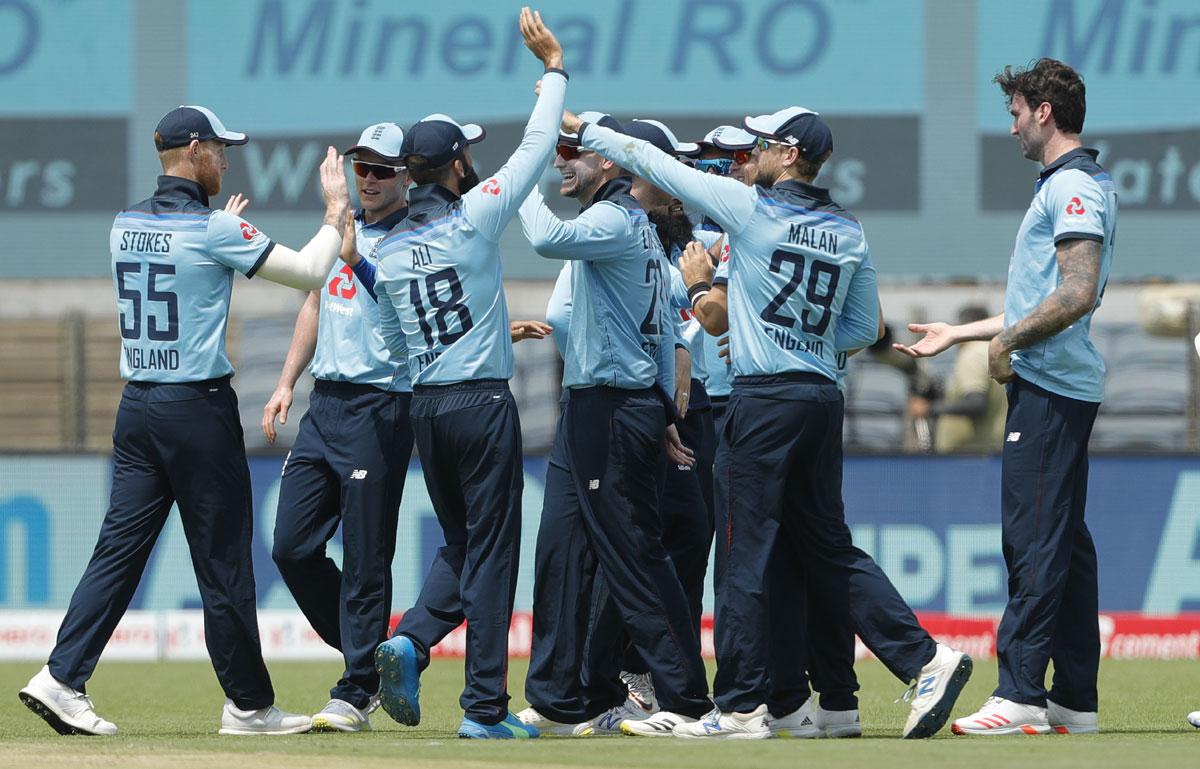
point(399, 679)
point(509, 729)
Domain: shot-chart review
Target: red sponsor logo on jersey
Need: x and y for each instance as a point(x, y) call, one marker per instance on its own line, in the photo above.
point(248, 231)
point(492, 187)
point(343, 283)
point(686, 314)
point(1075, 207)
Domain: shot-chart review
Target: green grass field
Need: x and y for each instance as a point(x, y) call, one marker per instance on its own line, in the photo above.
point(168, 715)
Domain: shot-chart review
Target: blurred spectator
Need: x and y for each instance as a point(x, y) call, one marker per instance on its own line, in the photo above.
point(924, 389)
point(971, 416)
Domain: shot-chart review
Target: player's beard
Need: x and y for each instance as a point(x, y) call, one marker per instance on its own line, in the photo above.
point(209, 177)
point(469, 180)
point(672, 224)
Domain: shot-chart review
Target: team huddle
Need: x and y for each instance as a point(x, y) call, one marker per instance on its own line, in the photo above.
point(709, 296)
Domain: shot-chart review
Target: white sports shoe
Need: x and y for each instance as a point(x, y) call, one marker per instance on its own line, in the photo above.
point(755, 725)
point(1194, 716)
point(660, 724)
point(838, 723)
point(66, 710)
point(268, 720)
point(800, 723)
point(934, 692)
point(609, 722)
point(545, 726)
point(341, 716)
point(1067, 721)
point(1000, 716)
point(641, 690)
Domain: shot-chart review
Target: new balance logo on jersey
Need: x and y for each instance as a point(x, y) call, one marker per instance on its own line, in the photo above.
point(594, 484)
point(358, 475)
point(1013, 437)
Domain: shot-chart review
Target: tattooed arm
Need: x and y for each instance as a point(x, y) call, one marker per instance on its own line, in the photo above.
point(1079, 273)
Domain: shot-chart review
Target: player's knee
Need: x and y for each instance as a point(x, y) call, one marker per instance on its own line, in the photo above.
point(288, 553)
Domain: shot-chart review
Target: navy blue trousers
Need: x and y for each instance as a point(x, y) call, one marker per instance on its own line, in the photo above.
point(779, 461)
point(175, 443)
point(560, 683)
point(615, 458)
point(685, 508)
point(468, 436)
point(1052, 583)
point(347, 467)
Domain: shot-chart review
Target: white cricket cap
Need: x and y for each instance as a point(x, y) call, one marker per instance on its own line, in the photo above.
point(384, 139)
point(730, 138)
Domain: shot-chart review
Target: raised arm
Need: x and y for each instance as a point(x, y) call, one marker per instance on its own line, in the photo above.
point(307, 268)
point(589, 236)
point(727, 201)
point(492, 203)
point(708, 295)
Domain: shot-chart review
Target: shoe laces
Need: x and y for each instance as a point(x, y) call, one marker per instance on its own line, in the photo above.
point(909, 694)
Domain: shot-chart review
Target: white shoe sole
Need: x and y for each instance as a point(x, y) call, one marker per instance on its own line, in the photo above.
point(809, 733)
point(727, 736)
point(240, 731)
point(58, 720)
point(1001, 731)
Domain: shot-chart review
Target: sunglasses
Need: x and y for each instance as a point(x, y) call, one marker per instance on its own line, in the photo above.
point(381, 172)
point(719, 166)
point(567, 152)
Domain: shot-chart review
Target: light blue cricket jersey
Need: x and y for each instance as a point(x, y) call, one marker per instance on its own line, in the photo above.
point(173, 260)
point(801, 282)
point(1075, 198)
point(558, 309)
point(718, 376)
point(350, 346)
point(620, 332)
point(440, 287)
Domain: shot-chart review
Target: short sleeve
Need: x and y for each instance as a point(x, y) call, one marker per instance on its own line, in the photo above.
point(236, 243)
point(1075, 205)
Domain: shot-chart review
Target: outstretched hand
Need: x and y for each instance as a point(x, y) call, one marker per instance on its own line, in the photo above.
point(349, 253)
point(539, 39)
point(938, 337)
point(237, 204)
point(520, 330)
point(333, 187)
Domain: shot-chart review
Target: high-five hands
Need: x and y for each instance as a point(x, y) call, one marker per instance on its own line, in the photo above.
point(539, 39)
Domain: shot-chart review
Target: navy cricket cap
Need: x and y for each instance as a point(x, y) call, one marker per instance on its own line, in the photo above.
point(439, 139)
point(187, 122)
point(592, 118)
point(795, 126)
point(661, 137)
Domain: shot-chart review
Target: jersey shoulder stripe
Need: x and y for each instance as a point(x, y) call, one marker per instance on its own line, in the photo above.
point(398, 237)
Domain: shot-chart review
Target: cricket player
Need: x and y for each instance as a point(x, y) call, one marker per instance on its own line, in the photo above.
point(727, 151)
point(178, 438)
point(619, 376)
point(801, 286)
point(442, 298)
point(350, 459)
point(1040, 348)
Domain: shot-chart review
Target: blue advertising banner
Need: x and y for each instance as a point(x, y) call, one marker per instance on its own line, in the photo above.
point(66, 57)
point(355, 61)
point(933, 524)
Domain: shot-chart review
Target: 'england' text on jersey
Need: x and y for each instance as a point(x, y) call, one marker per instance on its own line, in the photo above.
point(151, 359)
point(813, 237)
point(787, 341)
